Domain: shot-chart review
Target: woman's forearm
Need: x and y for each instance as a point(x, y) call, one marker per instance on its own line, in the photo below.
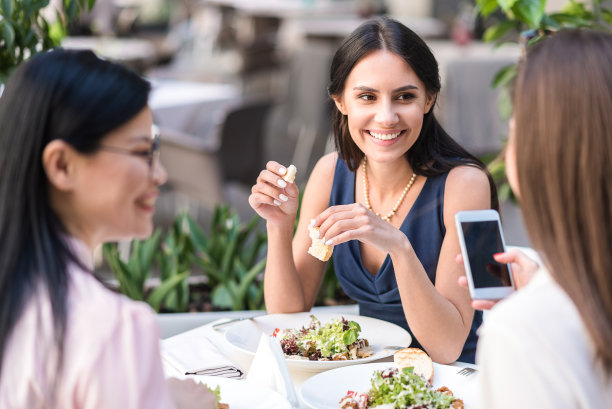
point(434, 320)
point(282, 287)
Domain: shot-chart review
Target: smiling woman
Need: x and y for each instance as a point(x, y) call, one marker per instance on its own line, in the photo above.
point(386, 200)
point(78, 167)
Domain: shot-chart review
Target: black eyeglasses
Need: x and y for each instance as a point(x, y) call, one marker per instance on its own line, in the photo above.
point(152, 154)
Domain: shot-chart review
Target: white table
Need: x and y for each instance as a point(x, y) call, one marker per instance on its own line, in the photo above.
point(217, 337)
point(193, 108)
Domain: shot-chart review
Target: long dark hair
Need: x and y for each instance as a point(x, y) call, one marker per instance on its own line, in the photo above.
point(563, 147)
point(69, 95)
point(434, 152)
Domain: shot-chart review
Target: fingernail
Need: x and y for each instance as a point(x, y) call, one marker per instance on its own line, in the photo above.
point(312, 222)
point(283, 197)
point(276, 202)
point(282, 171)
point(282, 183)
point(329, 242)
point(497, 254)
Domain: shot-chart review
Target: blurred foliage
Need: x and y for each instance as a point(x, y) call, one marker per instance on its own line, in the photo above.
point(28, 27)
point(132, 274)
point(232, 256)
point(526, 22)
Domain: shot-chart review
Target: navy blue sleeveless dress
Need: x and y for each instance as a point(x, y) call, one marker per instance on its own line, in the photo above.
point(378, 295)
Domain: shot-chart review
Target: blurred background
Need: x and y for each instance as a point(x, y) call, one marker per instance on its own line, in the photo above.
point(241, 82)
point(237, 83)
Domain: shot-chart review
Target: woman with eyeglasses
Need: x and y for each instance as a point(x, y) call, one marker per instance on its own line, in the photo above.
point(78, 167)
point(549, 344)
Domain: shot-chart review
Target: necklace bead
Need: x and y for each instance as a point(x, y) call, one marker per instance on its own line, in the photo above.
point(366, 196)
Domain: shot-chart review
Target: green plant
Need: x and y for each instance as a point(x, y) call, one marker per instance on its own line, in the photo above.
point(232, 256)
point(25, 30)
point(132, 274)
point(526, 22)
point(175, 262)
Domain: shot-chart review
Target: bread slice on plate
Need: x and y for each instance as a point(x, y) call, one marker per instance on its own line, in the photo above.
point(416, 358)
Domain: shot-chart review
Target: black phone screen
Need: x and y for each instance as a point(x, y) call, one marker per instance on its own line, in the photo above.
point(482, 240)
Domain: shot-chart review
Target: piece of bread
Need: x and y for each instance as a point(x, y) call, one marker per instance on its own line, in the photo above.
point(416, 358)
point(318, 248)
point(290, 175)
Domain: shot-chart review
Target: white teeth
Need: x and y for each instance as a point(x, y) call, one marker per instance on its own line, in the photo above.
point(148, 202)
point(385, 136)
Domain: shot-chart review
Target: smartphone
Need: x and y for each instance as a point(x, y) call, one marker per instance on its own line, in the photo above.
point(480, 236)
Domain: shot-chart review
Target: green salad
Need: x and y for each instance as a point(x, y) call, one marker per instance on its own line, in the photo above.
point(399, 389)
point(336, 340)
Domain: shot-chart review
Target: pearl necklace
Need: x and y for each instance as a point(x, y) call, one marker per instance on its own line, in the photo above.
point(366, 198)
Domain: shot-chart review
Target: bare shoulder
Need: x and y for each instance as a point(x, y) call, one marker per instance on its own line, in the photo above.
point(467, 187)
point(322, 175)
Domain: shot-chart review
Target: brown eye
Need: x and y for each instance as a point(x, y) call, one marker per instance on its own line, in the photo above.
point(406, 97)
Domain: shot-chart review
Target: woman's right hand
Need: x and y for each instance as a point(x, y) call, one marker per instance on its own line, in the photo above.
point(272, 197)
point(523, 269)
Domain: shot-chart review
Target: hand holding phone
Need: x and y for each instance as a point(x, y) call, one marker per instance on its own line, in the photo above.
point(480, 237)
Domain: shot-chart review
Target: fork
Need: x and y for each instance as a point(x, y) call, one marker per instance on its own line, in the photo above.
point(467, 371)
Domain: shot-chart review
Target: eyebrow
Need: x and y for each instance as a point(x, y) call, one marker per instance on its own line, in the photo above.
point(400, 89)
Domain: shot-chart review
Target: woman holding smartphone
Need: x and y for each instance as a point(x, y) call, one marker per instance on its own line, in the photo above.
point(548, 345)
point(79, 166)
point(386, 199)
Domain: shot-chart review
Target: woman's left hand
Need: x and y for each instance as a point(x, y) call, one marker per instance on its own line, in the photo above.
point(342, 223)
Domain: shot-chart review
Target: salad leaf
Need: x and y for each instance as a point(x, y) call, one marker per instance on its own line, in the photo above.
point(404, 388)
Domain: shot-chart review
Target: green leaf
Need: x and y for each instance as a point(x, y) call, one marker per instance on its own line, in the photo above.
point(247, 280)
point(159, 294)
point(487, 7)
point(497, 31)
point(230, 250)
point(504, 76)
point(606, 14)
point(9, 34)
point(506, 5)
point(71, 9)
point(7, 9)
point(197, 235)
point(530, 12)
point(222, 296)
point(349, 337)
point(148, 250)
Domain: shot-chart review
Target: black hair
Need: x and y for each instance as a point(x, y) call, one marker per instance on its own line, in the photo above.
point(78, 98)
point(434, 152)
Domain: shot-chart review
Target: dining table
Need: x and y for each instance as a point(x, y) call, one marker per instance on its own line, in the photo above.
point(215, 333)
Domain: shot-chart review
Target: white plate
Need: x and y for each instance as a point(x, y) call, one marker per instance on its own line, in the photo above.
point(324, 390)
point(241, 394)
point(384, 337)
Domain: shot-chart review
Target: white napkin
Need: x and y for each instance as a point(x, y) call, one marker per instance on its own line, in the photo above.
point(190, 354)
point(270, 370)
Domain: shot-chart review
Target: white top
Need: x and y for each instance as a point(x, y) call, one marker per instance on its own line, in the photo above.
point(534, 352)
point(111, 352)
